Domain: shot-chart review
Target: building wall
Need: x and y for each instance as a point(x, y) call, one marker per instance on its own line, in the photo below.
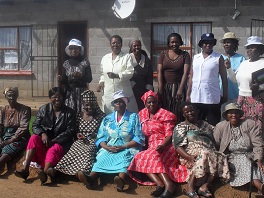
point(102, 23)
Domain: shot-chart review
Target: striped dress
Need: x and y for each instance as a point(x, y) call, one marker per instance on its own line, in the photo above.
point(117, 134)
point(150, 161)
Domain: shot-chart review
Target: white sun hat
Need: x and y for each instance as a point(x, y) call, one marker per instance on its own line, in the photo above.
point(254, 40)
point(74, 42)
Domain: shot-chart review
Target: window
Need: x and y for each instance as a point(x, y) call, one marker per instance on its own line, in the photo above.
point(190, 33)
point(15, 49)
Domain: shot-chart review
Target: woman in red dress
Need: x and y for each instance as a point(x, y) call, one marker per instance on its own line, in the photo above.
point(160, 161)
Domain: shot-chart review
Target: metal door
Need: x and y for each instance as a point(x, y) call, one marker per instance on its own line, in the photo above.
point(44, 59)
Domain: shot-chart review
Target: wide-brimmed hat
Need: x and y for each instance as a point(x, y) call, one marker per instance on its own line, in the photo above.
point(207, 37)
point(229, 35)
point(254, 40)
point(120, 94)
point(74, 42)
point(232, 106)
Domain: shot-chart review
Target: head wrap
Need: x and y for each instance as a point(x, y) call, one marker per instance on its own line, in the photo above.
point(89, 96)
point(147, 94)
point(11, 89)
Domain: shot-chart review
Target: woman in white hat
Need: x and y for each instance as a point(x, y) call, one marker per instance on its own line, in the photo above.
point(230, 43)
point(252, 104)
point(119, 138)
point(76, 75)
point(242, 140)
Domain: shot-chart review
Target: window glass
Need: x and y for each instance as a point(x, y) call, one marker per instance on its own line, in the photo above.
point(190, 33)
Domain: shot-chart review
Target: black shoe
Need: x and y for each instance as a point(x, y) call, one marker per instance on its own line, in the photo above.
point(120, 183)
point(159, 190)
point(51, 172)
point(42, 177)
point(86, 180)
point(22, 174)
point(166, 194)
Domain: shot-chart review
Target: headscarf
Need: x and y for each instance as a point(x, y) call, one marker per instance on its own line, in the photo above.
point(11, 89)
point(147, 94)
point(89, 96)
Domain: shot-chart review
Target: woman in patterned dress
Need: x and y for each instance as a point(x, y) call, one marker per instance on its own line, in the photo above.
point(119, 138)
point(193, 140)
point(76, 75)
point(81, 155)
point(242, 140)
point(159, 164)
point(14, 122)
point(173, 70)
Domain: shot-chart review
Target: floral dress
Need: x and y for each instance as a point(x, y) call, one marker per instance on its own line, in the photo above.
point(197, 140)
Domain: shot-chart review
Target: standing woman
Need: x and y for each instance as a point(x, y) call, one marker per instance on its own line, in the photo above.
point(173, 70)
point(142, 80)
point(251, 105)
point(14, 122)
point(203, 87)
point(117, 70)
point(76, 75)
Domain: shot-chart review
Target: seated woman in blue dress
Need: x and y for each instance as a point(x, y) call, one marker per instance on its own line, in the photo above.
point(119, 138)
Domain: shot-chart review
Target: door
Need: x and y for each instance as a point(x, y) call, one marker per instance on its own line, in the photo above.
point(66, 32)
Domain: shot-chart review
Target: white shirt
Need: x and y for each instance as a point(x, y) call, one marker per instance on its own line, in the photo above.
point(205, 81)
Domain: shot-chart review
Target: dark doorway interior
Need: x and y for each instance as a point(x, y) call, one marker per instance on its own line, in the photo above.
point(66, 32)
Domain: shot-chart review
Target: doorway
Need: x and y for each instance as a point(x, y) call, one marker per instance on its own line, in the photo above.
point(66, 32)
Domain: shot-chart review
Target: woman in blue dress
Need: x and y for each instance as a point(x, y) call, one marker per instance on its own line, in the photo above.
point(119, 138)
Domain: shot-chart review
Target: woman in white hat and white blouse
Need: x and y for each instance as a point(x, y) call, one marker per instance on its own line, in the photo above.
point(76, 75)
point(251, 105)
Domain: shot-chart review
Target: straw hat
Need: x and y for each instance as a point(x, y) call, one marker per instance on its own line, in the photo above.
point(74, 42)
point(229, 35)
point(232, 106)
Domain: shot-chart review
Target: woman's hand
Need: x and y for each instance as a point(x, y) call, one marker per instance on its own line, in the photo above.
point(80, 136)
point(160, 148)
point(179, 95)
point(112, 75)
point(261, 166)
point(116, 149)
point(100, 87)
point(191, 158)
point(59, 78)
point(254, 86)
point(45, 139)
point(77, 74)
point(227, 63)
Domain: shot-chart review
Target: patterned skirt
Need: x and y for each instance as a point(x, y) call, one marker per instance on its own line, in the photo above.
point(74, 99)
point(207, 161)
point(252, 107)
point(80, 157)
point(169, 101)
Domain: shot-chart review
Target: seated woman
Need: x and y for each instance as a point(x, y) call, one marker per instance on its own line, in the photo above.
point(119, 139)
point(54, 130)
point(193, 140)
point(14, 122)
point(242, 140)
point(160, 161)
point(82, 153)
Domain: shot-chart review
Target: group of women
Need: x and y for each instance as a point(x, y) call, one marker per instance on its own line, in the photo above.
point(175, 137)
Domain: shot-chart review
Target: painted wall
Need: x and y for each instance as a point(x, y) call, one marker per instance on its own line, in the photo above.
point(102, 23)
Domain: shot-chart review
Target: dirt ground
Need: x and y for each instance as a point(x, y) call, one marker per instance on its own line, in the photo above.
point(69, 187)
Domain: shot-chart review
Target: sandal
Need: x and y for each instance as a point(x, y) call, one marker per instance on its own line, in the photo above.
point(51, 172)
point(205, 193)
point(159, 190)
point(42, 177)
point(120, 183)
point(191, 194)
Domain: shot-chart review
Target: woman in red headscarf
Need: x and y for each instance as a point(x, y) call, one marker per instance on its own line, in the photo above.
point(159, 162)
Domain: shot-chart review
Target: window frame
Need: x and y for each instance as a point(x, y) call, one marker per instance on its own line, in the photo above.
point(17, 71)
point(190, 48)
